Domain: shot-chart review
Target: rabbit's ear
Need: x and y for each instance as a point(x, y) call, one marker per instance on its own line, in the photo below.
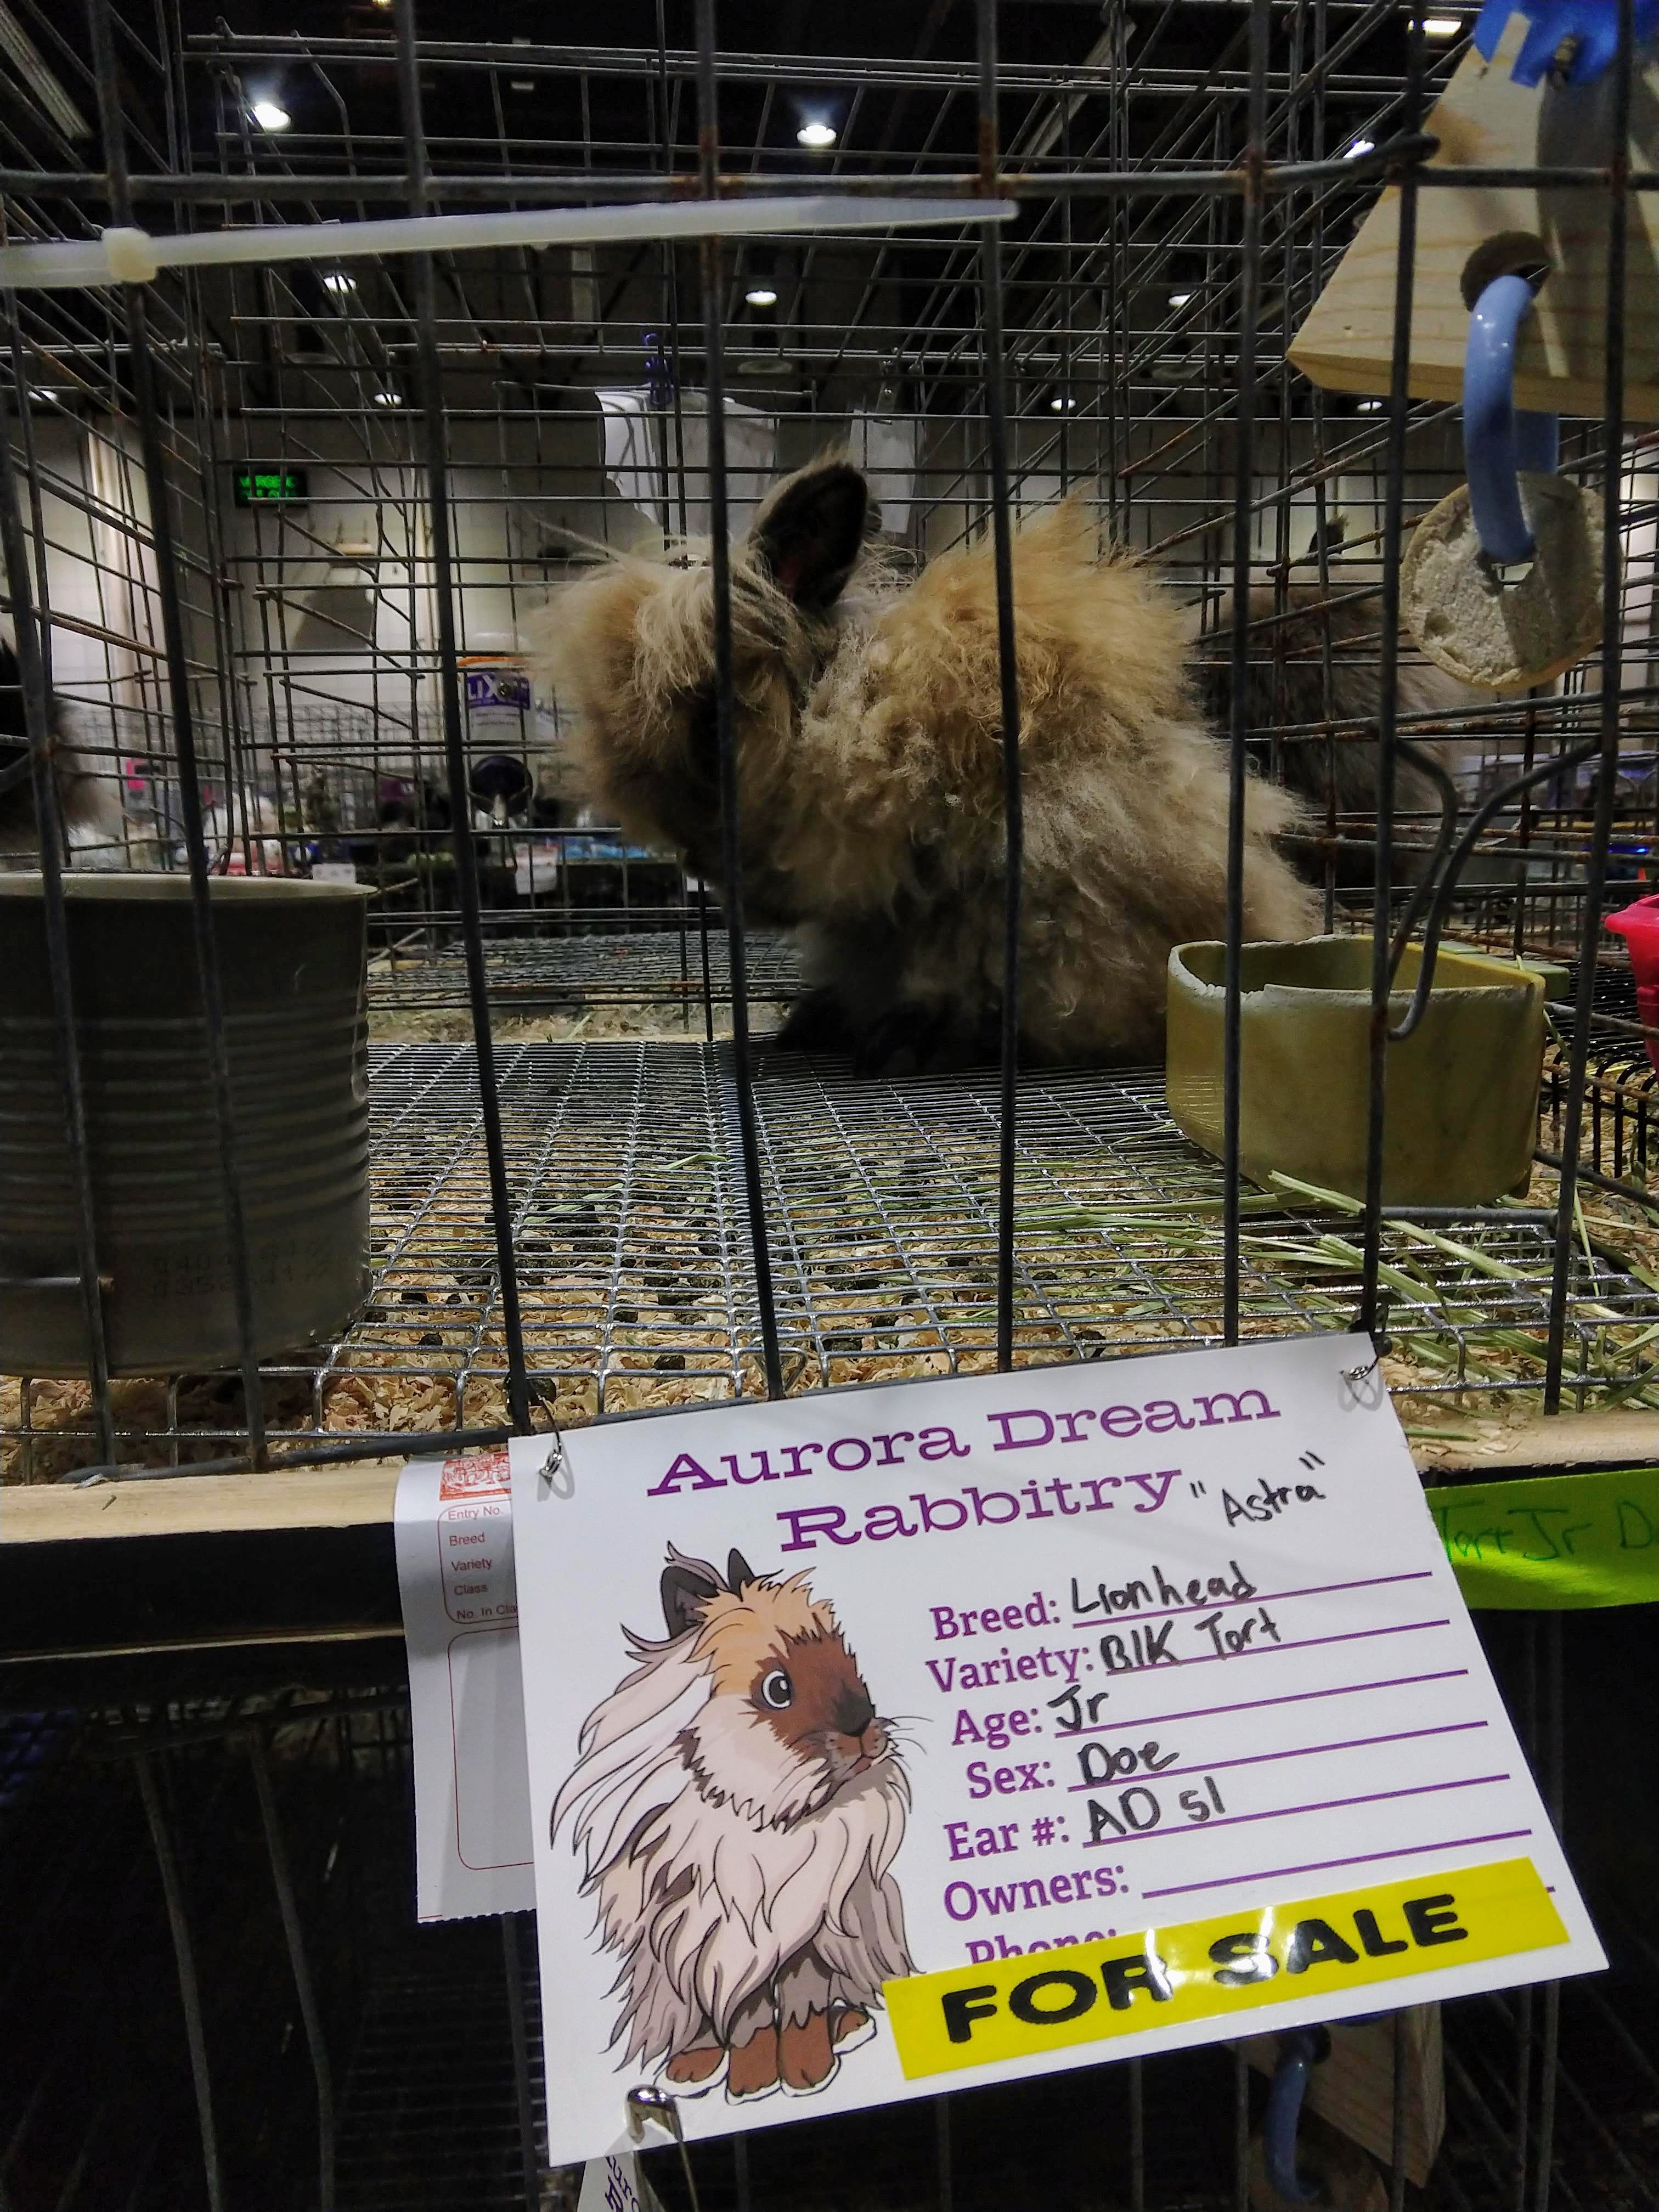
point(739, 1571)
point(811, 531)
point(687, 1587)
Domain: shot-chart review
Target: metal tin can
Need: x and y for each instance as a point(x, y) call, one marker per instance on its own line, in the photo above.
point(292, 969)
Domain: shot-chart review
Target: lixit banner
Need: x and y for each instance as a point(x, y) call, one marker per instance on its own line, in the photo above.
point(911, 1738)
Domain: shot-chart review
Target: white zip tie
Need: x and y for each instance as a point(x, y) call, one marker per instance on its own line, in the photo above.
point(127, 255)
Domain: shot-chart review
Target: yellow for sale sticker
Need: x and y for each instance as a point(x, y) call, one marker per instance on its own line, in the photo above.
point(1094, 1992)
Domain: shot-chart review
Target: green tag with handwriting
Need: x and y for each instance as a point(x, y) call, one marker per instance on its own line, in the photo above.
point(1548, 1543)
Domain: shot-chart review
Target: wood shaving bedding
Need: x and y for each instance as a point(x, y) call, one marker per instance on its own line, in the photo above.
point(666, 1024)
point(649, 1323)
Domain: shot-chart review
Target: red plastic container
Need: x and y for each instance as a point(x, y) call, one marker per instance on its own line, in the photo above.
point(1638, 925)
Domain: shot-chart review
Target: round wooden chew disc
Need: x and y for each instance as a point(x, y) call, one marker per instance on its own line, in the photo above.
point(1506, 636)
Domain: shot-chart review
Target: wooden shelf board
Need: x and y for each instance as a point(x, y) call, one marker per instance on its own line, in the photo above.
point(356, 1494)
point(360, 1495)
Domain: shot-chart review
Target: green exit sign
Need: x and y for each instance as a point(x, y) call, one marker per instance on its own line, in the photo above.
point(269, 486)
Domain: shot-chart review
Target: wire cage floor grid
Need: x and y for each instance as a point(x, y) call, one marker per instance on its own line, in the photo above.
point(637, 1284)
point(661, 969)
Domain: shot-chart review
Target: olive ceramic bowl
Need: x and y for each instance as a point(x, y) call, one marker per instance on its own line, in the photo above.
point(1461, 1116)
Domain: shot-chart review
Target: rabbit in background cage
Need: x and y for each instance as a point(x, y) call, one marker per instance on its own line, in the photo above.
point(868, 732)
point(1284, 689)
point(88, 802)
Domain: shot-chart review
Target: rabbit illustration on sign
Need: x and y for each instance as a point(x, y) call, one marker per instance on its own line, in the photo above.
point(868, 730)
point(737, 1806)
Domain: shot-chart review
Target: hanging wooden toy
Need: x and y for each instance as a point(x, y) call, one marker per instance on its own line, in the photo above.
point(1502, 584)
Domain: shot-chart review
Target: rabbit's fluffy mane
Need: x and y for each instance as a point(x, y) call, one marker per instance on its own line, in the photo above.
point(708, 1895)
point(869, 740)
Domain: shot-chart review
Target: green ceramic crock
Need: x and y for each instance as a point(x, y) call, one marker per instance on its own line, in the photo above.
point(1461, 1116)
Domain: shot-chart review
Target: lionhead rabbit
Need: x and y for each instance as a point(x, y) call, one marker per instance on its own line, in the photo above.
point(738, 1804)
point(868, 734)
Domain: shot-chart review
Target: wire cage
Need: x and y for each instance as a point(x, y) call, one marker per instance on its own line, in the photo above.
point(307, 658)
point(273, 534)
point(217, 1993)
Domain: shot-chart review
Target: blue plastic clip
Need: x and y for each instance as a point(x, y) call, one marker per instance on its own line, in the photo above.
point(658, 370)
point(1592, 25)
point(1300, 2050)
point(1497, 441)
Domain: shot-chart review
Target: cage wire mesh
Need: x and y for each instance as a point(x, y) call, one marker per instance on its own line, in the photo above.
point(306, 576)
point(216, 1993)
point(594, 1191)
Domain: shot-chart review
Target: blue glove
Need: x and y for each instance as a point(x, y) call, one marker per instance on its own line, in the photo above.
point(1593, 24)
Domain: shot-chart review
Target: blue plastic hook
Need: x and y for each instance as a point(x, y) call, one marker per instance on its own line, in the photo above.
point(1300, 2050)
point(658, 371)
point(1497, 441)
point(1592, 25)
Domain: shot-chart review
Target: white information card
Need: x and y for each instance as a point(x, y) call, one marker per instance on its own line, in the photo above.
point(453, 1522)
point(894, 1740)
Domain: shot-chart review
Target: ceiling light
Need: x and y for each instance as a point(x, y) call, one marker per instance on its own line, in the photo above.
point(1061, 404)
point(388, 398)
point(521, 84)
point(1371, 406)
point(761, 296)
point(1359, 146)
point(38, 394)
point(817, 135)
point(336, 280)
point(1179, 298)
point(270, 116)
point(1442, 26)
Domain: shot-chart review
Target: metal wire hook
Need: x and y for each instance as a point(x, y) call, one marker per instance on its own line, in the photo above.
point(648, 2105)
point(554, 1475)
point(1447, 884)
point(1382, 1345)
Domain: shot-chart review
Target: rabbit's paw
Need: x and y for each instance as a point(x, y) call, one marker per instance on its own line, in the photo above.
point(752, 2070)
point(817, 1022)
point(908, 1039)
point(695, 2071)
point(853, 2028)
point(807, 2055)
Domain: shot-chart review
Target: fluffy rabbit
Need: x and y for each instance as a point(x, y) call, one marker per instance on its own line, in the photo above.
point(737, 1805)
point(870, 763)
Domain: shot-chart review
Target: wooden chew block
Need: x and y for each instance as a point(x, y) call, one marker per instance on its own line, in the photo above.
point(1485, 118)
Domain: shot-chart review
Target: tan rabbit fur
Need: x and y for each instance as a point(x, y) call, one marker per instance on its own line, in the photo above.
point(868, 734)
point(738, 1804)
